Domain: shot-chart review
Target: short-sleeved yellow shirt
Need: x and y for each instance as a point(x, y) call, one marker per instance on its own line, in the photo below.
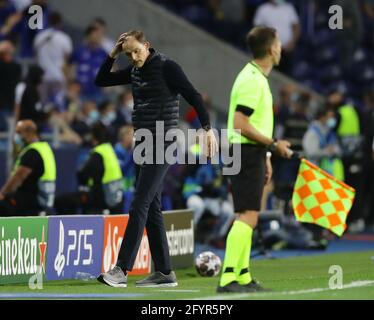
point(251, 89)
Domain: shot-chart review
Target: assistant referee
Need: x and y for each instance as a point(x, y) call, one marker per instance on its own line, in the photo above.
point(250, 124)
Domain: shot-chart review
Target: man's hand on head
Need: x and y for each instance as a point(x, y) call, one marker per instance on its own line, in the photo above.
point(118, 46)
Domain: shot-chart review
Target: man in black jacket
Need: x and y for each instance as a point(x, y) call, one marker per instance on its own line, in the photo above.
point(156, 84)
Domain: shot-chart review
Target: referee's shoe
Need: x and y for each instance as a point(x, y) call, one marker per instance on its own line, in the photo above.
point(235, 287)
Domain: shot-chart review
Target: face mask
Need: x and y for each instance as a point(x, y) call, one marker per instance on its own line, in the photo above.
point(93, 116)
point(331, 123)
point(110, 117)
point(18, 140)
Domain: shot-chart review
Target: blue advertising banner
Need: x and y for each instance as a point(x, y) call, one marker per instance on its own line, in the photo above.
point(75, 246)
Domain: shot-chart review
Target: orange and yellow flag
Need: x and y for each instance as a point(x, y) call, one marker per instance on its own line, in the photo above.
point(321, 199)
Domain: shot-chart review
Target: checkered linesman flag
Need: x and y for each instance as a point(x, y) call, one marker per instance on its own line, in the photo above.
point(321, 199)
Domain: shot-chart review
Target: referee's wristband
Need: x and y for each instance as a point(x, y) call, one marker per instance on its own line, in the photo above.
point(268, 154)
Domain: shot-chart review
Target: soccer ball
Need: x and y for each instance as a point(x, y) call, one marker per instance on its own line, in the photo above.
point(208, 264)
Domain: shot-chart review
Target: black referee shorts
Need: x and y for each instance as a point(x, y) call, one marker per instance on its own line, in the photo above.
point(248, 184)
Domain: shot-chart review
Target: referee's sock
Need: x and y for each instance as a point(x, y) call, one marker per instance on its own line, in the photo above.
point(236, 244)
point(242, 273)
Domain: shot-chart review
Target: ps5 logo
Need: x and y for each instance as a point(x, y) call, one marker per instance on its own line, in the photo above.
point(78, 242)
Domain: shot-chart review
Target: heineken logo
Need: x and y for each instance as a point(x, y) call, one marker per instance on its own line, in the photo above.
point(19, 254)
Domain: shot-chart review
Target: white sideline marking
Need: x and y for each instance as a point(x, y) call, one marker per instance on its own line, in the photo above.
point(354, 284)
point(27, 295)
point(186, 291)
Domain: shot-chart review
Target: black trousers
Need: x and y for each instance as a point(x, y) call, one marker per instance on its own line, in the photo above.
point(145, 212)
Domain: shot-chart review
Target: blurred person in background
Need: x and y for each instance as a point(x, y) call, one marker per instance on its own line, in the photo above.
point(171, 197)
point(283, 108)
point(349, 132)
point(125, 107)
point(228, 20)
point(20, 5)
point(7, 9)
point(282, 16)
point(106, 43)
point(9, 18)
point(87, 59)
point(53, 48)
point(10, 76)
point(100, 180)
point(349, 38)
point(28, 104)
point(293, 123)
point(84, 119)
point(108, 117)
point(124, 151)
point(206, 190)
point(17, 28)
point(69, 101)
point(65, 133)
point(321, 145)
point(31, 187)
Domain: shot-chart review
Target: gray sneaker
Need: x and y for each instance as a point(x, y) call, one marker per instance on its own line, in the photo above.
point(114, 278)
point(158, 279)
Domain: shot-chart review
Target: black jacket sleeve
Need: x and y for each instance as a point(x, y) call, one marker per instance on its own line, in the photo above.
point(178, 82)
point(106, 78)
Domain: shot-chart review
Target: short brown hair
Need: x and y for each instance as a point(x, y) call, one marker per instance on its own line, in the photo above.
point(259, 40)
point(138, 35)
point(125, 130)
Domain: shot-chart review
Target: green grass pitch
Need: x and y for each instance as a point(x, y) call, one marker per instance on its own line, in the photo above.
point(290, 278)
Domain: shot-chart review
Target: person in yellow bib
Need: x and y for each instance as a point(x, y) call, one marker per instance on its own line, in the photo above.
point(30, 189)
point(250, 124)
point(100, 180)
